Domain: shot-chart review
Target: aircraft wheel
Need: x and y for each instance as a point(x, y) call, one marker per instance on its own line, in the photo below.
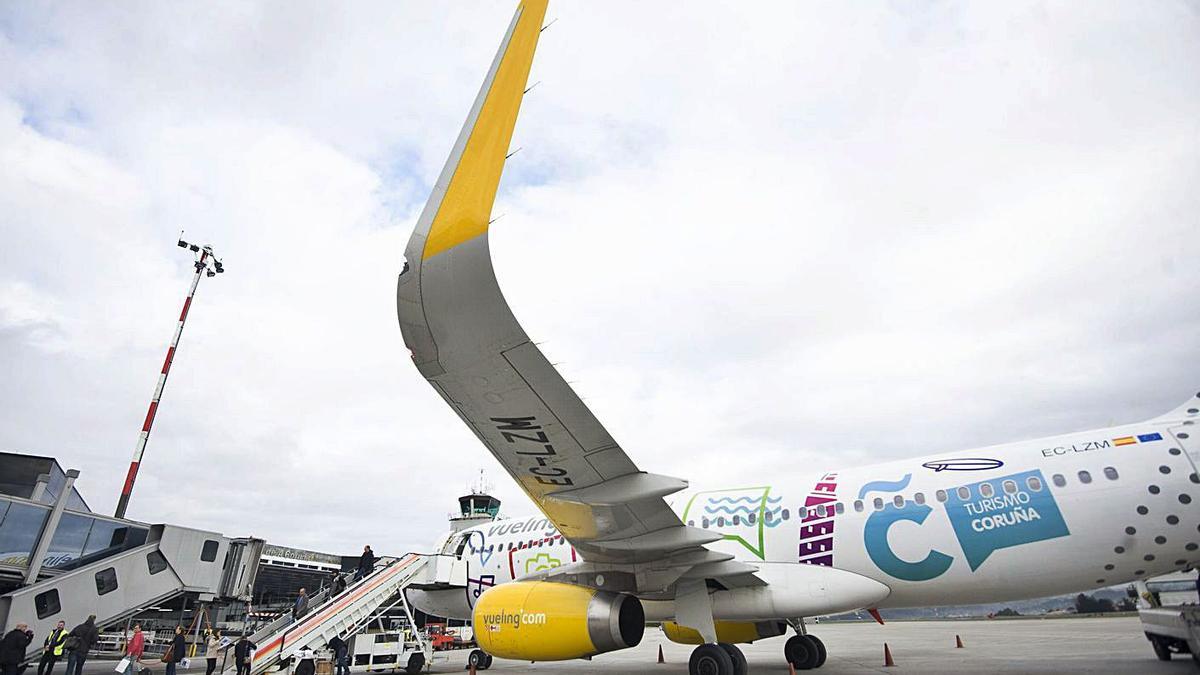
point(821, 653)
point(1161, 650)
point(739, 659)
point(801, 652)
point(480, 659)
point(710, 659)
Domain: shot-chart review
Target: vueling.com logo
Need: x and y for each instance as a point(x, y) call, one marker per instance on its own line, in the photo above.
point(515, 619)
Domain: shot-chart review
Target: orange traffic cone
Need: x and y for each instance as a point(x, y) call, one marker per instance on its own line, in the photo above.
point(660, 655)
point(887, 656)
point(958, 642)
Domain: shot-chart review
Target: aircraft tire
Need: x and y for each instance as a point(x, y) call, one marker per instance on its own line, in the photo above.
point(801, 652)
point(710, 659)
point(1161, 650)
point(480, 659)
point(740, 667)
point(821, 653)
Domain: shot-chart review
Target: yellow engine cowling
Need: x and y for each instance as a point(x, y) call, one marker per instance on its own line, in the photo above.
point(733, 632)
point(548, 621)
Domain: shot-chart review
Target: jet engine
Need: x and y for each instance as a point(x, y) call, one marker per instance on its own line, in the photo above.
point(733, 632)
point(550, 621)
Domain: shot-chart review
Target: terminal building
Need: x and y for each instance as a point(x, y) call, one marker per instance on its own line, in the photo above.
point(59, 560)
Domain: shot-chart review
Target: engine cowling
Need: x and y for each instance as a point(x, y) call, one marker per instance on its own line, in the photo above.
point(733, 632)
point(550, 621)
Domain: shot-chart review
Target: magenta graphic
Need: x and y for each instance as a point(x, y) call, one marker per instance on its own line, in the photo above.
point(816, 528)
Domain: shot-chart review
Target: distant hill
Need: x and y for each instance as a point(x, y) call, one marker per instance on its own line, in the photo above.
point(1033, 607)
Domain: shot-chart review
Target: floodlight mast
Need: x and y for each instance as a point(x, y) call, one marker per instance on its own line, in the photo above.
point(206, 263)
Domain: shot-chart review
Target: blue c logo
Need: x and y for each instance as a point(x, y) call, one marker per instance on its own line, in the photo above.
point(876, 530)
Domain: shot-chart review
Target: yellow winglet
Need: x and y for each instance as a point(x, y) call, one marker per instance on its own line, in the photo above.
point(466, 207)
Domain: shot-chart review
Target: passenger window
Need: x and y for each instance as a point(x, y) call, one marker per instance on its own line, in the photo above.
point(802, 512)
point(691, 523)
point(1010, 487)
point(898, 500)
point(1110, 473)
point(821, 510)
point(209, 552)
point(768, 516)
point(878, 503)
point(1085, 477)
point(1034, 484)
point(1059, 480)
point(985, 490)
point(720, 521)
point(155, 562)
point(858, 505)
point(919, 498)
point(46, 604)
point(106, 580)
point(941, 495)
point(752, 518)
point(839, 508)
point(964, 493)
point(737, 520)
point(704, 523)
point(785, 514)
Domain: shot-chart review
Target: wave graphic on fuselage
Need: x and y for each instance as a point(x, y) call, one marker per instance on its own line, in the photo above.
point(748, 500)
point(747, 506)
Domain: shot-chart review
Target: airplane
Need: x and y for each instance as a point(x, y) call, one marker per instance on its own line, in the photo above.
point(616, 547)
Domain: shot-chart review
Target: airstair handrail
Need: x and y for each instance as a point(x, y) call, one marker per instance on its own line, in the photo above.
point(338, 615)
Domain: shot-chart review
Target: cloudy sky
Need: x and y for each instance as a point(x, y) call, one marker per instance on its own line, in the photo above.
point(759, 240)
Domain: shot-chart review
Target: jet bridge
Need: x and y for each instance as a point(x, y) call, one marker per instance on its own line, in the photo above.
point(174, 560)
point(342, 615)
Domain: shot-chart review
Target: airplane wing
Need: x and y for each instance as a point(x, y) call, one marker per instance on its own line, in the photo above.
point(466, 342)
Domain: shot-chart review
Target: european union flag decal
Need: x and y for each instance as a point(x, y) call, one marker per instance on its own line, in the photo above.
point(1013, 517)
point(1146, 438)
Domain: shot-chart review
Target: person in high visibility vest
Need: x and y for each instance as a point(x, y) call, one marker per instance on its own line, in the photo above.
point(52, 649)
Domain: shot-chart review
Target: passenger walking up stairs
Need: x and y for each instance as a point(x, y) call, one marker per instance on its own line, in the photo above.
point(339, 616)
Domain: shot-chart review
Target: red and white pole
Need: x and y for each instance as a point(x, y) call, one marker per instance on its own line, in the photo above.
point(140, 449)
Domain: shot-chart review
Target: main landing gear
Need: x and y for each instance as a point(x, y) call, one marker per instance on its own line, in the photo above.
point(805, 652)
point(721, 658)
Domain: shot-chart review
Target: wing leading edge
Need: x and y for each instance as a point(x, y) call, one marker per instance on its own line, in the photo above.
point(468, 344)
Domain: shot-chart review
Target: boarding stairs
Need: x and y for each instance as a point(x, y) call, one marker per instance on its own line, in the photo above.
point(173, 561)
point(343, 615)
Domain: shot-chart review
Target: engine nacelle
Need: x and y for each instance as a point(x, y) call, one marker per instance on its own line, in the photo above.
point(550, 621)
point(734, 632)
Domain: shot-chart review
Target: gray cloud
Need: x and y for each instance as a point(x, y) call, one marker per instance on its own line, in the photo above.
point(760, 242)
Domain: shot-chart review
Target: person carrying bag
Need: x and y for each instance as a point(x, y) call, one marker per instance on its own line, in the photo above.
point(134, 648)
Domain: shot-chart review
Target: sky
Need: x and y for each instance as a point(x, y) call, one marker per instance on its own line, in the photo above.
point(763, 240)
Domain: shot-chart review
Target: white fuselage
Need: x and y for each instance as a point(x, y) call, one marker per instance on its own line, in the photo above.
point(1055, 515)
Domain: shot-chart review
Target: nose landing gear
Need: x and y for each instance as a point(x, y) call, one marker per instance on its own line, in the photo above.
point(805, 652)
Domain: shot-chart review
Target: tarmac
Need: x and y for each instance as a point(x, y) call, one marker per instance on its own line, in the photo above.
point(1057, 646)
point(1050, 646)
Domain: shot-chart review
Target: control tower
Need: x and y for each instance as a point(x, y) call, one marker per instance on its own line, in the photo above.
point(475, 508)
